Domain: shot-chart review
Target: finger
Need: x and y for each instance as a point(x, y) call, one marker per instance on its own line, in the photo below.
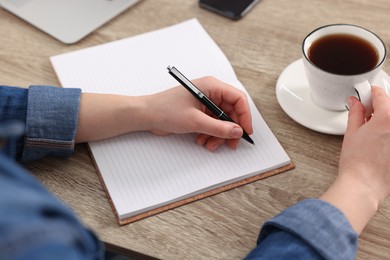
point(379, 98)
point(233, 143)
point(208, 125)
point(355, 116)
point(243, 119)
point(201, 139)
point(231, 100)
point(239, 112)
point(214, 142)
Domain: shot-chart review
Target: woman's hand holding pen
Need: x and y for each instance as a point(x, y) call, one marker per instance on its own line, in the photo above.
point(175, 110)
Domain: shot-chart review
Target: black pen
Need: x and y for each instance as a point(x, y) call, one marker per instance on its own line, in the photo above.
point(203, 98)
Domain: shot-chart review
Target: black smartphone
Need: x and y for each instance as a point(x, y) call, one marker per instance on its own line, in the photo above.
point(233, 9)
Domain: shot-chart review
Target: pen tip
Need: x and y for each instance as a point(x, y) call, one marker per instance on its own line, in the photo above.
point(249, 140)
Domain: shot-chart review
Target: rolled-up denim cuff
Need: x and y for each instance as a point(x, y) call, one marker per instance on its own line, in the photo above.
point(320, 225)
point(51, 122)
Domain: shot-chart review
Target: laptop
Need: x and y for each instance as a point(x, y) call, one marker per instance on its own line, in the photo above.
point(67, 20)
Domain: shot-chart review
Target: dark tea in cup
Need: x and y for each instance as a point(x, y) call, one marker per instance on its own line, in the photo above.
point(343, 54)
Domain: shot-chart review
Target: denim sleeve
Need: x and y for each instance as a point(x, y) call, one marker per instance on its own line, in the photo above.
point(50, 117)
point(36, 225)
point(311, 229)
point(51, 122)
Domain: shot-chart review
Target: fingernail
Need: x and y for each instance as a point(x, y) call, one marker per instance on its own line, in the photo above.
point(350, 102)
point(236, 132)
point(214, 147)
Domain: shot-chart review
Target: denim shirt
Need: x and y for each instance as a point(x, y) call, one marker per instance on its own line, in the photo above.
point(311, 229)
point(34, 224)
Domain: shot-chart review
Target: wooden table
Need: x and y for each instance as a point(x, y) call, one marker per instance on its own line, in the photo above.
point(259, 47)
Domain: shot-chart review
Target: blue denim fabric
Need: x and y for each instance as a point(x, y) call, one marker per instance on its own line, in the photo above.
point(13, 104)
point(51, 122)
point(311, 229)
point(50, 116)
point(33, 223)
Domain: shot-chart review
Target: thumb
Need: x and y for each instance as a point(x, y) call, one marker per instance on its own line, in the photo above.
point(218, 128)
point(355, 116)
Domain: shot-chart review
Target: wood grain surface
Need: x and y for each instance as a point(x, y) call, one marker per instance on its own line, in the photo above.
point(259, 46)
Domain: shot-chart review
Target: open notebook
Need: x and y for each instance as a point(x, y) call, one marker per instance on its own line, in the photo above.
point(146, 174)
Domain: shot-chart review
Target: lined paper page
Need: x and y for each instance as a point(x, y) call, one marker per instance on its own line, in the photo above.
point(142, 171)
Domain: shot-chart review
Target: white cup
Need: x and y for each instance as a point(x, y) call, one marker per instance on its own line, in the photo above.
point(331, 91)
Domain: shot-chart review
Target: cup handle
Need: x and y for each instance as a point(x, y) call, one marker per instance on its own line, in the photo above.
point(363, 93)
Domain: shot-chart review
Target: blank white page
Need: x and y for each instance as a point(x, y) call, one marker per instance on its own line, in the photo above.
point(142, 171)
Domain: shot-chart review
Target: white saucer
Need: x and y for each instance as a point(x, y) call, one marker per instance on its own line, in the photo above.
point(293, 94)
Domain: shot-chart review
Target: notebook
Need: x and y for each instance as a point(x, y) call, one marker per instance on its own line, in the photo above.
point(144, 174)
point(67, 20)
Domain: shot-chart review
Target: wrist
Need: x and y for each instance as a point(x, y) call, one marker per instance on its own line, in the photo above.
point(354, 198)
point(104, 116)
point(136, 113)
